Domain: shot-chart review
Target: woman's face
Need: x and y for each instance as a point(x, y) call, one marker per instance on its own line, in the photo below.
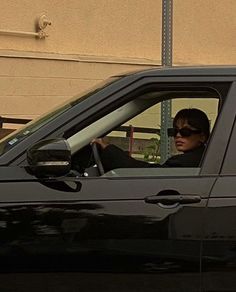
point(185, 144)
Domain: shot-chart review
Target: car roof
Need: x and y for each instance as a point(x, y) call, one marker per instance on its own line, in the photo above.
point(216, 70)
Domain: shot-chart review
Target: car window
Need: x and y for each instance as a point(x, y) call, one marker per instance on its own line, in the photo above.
point(136, 125)
point(17, 136)
point(140, 136)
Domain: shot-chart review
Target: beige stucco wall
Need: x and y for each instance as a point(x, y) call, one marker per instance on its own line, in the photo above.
point(204, 31)
point(92, 40)
point(33, 86)
point(127, 28)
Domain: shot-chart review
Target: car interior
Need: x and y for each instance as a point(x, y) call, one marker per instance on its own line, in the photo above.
point(143, 111)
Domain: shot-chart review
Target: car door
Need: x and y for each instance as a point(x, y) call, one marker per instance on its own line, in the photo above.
point(149, 226)
point(219, 246)
point(110, 225)
point(142, 224)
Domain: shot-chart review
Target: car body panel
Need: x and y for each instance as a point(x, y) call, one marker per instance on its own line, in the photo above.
point(109, 225)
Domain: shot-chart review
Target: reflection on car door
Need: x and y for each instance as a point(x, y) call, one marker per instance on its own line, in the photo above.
point(109, 225)
point(219, 246)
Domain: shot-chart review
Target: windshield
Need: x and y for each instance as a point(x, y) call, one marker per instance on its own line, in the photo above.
point(17, 136)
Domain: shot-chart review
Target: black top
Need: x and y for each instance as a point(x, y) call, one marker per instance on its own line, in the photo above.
point(113, 157)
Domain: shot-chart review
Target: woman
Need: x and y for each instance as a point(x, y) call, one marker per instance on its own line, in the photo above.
point(190, 130)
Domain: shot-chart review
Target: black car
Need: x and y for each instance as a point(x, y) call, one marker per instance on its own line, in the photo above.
point(62, 219)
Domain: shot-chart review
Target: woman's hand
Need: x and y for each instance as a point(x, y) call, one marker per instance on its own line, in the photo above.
point(101, 142)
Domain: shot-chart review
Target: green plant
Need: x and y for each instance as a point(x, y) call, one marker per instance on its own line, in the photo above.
point(152, 151)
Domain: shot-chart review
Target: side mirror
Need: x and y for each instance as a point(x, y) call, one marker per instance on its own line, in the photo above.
point(49, 158)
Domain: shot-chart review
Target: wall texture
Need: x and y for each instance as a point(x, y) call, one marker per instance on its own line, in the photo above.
point(33, 86)
point(91, 40)
point(204, 31)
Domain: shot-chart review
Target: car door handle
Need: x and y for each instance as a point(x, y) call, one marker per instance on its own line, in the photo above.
point(173, 199)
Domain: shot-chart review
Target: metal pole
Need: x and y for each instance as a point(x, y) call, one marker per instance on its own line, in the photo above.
point(41, 34)
point(167, 16)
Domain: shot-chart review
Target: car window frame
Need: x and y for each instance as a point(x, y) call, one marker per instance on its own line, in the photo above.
point(217, 146)
point(228, 167)
point(206, 162)
point(84, 113)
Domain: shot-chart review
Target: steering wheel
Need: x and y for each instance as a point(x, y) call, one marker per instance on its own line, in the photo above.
point(97, 158)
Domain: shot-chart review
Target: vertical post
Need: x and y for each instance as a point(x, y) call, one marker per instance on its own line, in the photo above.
point(167, 16)
point(131, 140)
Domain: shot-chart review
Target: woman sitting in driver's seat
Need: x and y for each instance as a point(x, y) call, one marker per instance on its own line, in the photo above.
point(190, 130)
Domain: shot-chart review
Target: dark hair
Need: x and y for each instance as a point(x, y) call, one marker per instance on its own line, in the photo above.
point(195, 118)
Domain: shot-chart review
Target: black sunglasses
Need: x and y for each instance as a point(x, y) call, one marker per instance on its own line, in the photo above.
point(184, 132)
